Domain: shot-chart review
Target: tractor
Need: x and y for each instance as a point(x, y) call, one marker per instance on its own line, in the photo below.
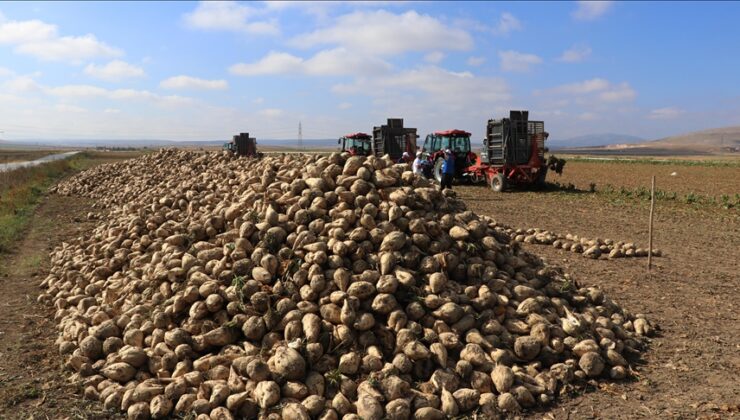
point(243, 145)
point(394, 139)
point(357, 144)
point(513, 153)
point(457, 141)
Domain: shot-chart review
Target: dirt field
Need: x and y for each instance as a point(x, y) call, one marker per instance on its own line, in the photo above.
point(693, 294)
point(691, 369)
point(691, 177)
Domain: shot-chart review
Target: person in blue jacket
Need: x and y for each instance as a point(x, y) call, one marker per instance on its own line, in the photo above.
point(448, 169)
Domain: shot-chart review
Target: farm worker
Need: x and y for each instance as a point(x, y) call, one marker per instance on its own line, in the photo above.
point(404, 158)
point(448, 169)
point(418, 166)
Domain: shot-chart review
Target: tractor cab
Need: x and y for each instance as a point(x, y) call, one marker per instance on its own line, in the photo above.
point(357, 144)
point(457, 141)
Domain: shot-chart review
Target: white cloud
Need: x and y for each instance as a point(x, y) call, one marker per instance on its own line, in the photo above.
point(621, 92)
point(271, 112)
point(600, 90)
point(434, 57)
point(444, 86)
point(575, 54)
point(344, 105)
point(67, 108)
point(42, 40)
point(334, 62)
point(587, 116)
point(384, 33)
point(507, 23)
point(188, 82)
point(112, 111)
point(258, 101)
point(591, 10)
point(516, 61)
point(272, 63)
point(77, 91)
point(6, 72)
point(68, 48)
point(22, 84)
point(115, 70)
point(229, 16)
point(20, 32)
point(665, 113)
point(90, 91)
point(476, 61)
point(578, 88)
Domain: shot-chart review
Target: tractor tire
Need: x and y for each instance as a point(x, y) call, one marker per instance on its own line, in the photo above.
point(498, 182)
point(437, 171)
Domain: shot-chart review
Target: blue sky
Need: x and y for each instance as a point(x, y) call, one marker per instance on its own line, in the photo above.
point(207, 70)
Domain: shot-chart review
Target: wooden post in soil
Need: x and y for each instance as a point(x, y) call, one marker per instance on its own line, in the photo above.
point(650, 229)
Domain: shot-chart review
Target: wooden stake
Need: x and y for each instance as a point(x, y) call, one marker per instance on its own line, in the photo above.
point(650, 239)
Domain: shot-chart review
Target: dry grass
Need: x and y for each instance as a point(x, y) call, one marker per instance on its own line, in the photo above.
point(21, 189)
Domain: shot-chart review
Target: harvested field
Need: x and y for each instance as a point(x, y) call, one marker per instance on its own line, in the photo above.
point(692, 293)
point(705, 178)
point(684, 373)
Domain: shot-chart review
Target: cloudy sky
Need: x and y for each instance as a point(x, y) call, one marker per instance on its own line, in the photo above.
point(200, 71)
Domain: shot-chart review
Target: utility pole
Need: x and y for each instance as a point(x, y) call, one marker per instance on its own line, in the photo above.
point(300, 136)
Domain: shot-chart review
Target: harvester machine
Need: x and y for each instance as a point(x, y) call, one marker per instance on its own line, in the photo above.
point(513, 153)
point(243, 145)
point(394, 139)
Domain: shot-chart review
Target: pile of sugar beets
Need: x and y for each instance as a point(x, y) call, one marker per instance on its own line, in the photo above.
point(315, 287)
point(590, 248)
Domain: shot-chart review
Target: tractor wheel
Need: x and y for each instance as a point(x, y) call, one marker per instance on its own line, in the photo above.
point(438, 169)
point(498, 182)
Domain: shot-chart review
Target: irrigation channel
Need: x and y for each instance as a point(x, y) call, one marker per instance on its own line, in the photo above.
point(46, 159)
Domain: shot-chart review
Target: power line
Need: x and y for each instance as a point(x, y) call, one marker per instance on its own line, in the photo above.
point(300, 135)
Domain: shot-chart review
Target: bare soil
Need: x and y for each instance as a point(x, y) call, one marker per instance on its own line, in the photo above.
point(710, 181)
point(693, 294)
point(33, 384)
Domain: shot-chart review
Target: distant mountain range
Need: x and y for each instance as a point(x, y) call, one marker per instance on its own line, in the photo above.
point(593, 140)
point(725, 140)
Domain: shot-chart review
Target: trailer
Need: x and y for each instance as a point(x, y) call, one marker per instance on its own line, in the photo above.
point(513, 152)
point(394, 139)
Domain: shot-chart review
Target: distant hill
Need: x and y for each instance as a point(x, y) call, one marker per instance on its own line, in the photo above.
point(593, 140)
point(717, 140)
point(713, 141)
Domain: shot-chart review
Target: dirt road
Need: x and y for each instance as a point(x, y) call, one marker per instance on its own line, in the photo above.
point(32, 382)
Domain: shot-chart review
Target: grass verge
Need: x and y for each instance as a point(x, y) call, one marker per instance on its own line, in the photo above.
point(21, 190)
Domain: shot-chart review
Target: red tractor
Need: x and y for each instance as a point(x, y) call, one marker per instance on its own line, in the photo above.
point(513, 152)
point(458, 142)
point(357, 144)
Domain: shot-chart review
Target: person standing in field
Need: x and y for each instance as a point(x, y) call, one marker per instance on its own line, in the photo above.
point(448, 169)
point(404, 158)
point(418, 166)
